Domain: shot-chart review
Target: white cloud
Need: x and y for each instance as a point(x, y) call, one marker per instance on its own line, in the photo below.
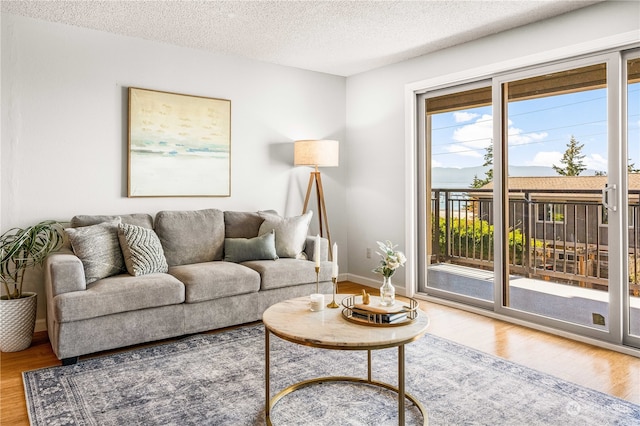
point(546, 158)
point(516, 137)
point(596, 162)
point(475, 137)
point(462, 116)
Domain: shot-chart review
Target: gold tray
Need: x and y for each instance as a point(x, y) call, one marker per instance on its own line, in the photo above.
point(377, 319)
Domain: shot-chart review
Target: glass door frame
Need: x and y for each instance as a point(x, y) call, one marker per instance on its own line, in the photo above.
point(616, 176)
point(425, 187)
point(627, 337)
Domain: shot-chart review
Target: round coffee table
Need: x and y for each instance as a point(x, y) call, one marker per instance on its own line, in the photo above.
point(292, 320)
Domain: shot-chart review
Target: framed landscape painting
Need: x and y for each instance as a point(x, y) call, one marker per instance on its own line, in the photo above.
point(179, 145)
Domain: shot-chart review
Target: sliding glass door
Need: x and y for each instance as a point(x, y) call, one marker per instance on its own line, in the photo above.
point(555, 223)
point(458, 150)
point(529, 195)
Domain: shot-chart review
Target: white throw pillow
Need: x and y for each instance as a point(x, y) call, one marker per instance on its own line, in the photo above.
point(291, 232)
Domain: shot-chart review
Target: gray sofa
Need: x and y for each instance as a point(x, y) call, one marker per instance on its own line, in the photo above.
point(213, 276)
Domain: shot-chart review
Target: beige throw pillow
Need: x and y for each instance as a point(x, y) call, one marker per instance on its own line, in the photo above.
point(98, 248)
point(291, 232)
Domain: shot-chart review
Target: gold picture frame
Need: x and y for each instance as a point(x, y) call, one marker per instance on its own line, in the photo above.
point(179, 145)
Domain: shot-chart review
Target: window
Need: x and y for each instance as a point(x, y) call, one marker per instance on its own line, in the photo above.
point(604, 217)
point(551, 213)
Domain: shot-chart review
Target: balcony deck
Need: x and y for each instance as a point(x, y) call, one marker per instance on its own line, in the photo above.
point(560, 301)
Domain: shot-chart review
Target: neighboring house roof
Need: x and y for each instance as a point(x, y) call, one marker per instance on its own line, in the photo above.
point(559, 187)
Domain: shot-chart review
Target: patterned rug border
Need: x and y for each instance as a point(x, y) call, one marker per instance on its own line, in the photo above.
point(540, 377)
point(606, 402)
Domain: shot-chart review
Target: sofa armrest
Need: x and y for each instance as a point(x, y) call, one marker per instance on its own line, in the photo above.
point(310, 248)
point(63, 273)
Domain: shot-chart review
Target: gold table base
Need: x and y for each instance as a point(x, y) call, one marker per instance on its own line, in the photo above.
point(271, 402)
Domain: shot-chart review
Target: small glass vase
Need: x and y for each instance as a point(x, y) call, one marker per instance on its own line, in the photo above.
point(387, 293)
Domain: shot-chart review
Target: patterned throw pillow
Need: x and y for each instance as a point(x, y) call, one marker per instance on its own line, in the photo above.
point(291, 232)
point(142, 250)
point(98, 248)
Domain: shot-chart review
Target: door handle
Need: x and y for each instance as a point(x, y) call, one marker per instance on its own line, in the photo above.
point(608, 197)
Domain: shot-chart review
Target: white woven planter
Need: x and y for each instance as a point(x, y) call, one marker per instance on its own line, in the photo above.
point(17, 322)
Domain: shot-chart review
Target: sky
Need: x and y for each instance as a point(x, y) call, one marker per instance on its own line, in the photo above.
point(539, 131)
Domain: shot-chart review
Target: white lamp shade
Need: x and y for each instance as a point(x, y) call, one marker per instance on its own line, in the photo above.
point(321, 153)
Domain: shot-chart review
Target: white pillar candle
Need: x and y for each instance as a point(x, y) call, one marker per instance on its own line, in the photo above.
point(335, 260)
point(316, 251)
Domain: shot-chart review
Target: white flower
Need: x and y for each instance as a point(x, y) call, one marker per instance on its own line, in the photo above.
point(391, 259)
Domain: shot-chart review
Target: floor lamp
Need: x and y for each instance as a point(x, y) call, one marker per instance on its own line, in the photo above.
point(317, 153)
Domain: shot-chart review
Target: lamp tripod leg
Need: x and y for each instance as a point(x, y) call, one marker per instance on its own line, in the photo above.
point(322, 214)
point(322, 208)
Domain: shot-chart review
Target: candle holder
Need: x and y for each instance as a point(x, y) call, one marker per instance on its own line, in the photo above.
point(317, 299)
point(333, 303)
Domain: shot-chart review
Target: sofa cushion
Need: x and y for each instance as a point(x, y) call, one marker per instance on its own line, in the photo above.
point(98, 247)
point(291, 232)
point(214, 280)
point(288, 272)
point(121, 293)
point(242, 224)
point(138, 219)
point(141, 249)
point(257, 248)
point(194, 236)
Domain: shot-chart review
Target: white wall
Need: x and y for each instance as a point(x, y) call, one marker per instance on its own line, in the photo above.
point(376, 114)
point(64, 126)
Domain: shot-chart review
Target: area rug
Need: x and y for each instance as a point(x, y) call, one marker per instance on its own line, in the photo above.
point(218, 379)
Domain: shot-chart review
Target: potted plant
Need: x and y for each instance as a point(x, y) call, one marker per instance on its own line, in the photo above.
point(21, 249)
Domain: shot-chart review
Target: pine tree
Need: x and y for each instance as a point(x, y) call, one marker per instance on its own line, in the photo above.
point(488, 161)
point(572, 159)
point(478, 183)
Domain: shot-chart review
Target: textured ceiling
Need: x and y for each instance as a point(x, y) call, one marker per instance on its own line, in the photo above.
point(336, 37)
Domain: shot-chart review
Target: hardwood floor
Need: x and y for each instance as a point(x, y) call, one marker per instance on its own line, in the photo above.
point(601, 369)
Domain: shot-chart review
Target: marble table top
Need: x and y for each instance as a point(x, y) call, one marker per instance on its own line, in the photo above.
point(294, 321)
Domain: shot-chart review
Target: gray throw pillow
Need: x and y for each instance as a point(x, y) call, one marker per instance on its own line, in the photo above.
point(142, 250)
point(291, 232)
point(257, 248)
point(98, 247)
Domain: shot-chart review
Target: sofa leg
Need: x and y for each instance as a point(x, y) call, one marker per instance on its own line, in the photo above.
point(70, 361)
